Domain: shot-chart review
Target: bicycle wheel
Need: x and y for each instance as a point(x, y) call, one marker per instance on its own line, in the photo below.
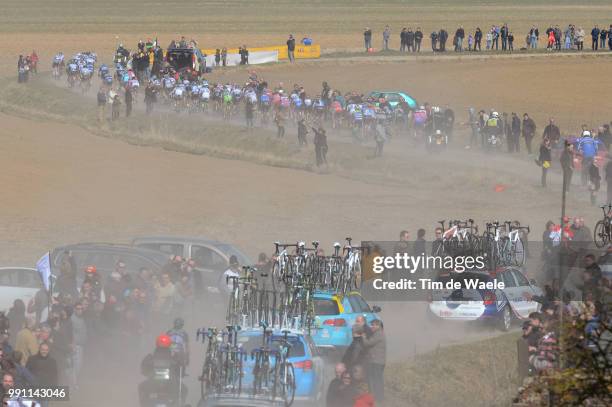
point(288, 384)
point(601, 233)
point(518, 253)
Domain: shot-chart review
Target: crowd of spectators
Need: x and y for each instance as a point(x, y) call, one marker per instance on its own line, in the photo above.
point(496, 38)
point(49, 340)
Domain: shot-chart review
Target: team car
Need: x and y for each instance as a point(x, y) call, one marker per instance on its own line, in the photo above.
point(335, 316)
point(488, 301)
point(395, 97)
point(308, 369)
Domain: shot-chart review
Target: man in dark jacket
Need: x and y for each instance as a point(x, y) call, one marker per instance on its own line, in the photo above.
point(403, 40)
point(367, 38)
point(43, 367)
point(434, 41)
point(442, 37)
point(418, 37)
point(334, 386)
point(409, 40)
point(551, 131)
point(594, 38)
point(459, 35)
point(477, 39)
point(291, 48)
point(544, 159)
point(529, 129)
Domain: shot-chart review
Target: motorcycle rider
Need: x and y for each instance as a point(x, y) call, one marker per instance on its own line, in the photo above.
point(164, 385)
point(180, 342)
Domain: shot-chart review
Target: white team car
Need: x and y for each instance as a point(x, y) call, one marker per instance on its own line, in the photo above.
point(486, 303)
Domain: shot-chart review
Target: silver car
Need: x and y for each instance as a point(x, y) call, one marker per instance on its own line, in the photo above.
point(210, 256)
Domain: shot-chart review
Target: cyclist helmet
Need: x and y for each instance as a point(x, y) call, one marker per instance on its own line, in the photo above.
point(90, 269)
point(438, 132)
point(163, 341)
point(495, 115)
point(586, 133)
point(179, 323)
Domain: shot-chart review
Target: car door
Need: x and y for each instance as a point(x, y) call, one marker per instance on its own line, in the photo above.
point(511, 291)
point(319, 367)
point(210, 264)
point(524, 286)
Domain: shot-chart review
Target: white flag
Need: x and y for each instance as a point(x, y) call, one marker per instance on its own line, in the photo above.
point(43, 266)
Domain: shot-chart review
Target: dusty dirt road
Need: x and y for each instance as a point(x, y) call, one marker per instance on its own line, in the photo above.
point(62, 185)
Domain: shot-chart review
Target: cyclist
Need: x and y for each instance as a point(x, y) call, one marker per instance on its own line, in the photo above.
point(179, 347)
point(164, 384)
point(493, 129)
point(588, 146)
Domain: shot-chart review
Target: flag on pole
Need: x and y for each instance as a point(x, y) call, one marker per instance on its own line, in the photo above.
point(43, 266)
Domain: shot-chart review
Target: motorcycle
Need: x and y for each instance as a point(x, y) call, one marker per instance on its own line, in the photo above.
point(437, 141)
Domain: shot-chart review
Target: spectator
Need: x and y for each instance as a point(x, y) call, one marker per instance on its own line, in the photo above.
point(320, 143)
point(459, 35)
point(594, 38)
point(26, 342)
point(551, 131)
point(544, 159)
point(16, 317)
point(594, 181)
point(420, 243)
point(478, 39)
point(418, 38)
point(409, 40)
point(362, 396)
point(403, 40)
point(344, 394)
point(503, 32)
point(128, 102)
point(355, 352)
point(529, 129)
point(335, 387)
point(80, 339)
point(386, 36)
point(164, 294)
point(514, 136)
point(434, 41)
point(376, 357)
point(443, 37)
point(367, 38)
point(579, 35)
point(489, 39)
point(43, 367)
point(8, 382)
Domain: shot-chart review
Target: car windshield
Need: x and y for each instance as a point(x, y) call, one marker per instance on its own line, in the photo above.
point(251, 342)
point(324, 306)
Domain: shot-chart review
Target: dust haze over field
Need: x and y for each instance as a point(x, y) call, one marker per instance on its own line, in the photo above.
point(62, 184)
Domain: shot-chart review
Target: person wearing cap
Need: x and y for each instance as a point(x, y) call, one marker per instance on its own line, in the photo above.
point(291, 48)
